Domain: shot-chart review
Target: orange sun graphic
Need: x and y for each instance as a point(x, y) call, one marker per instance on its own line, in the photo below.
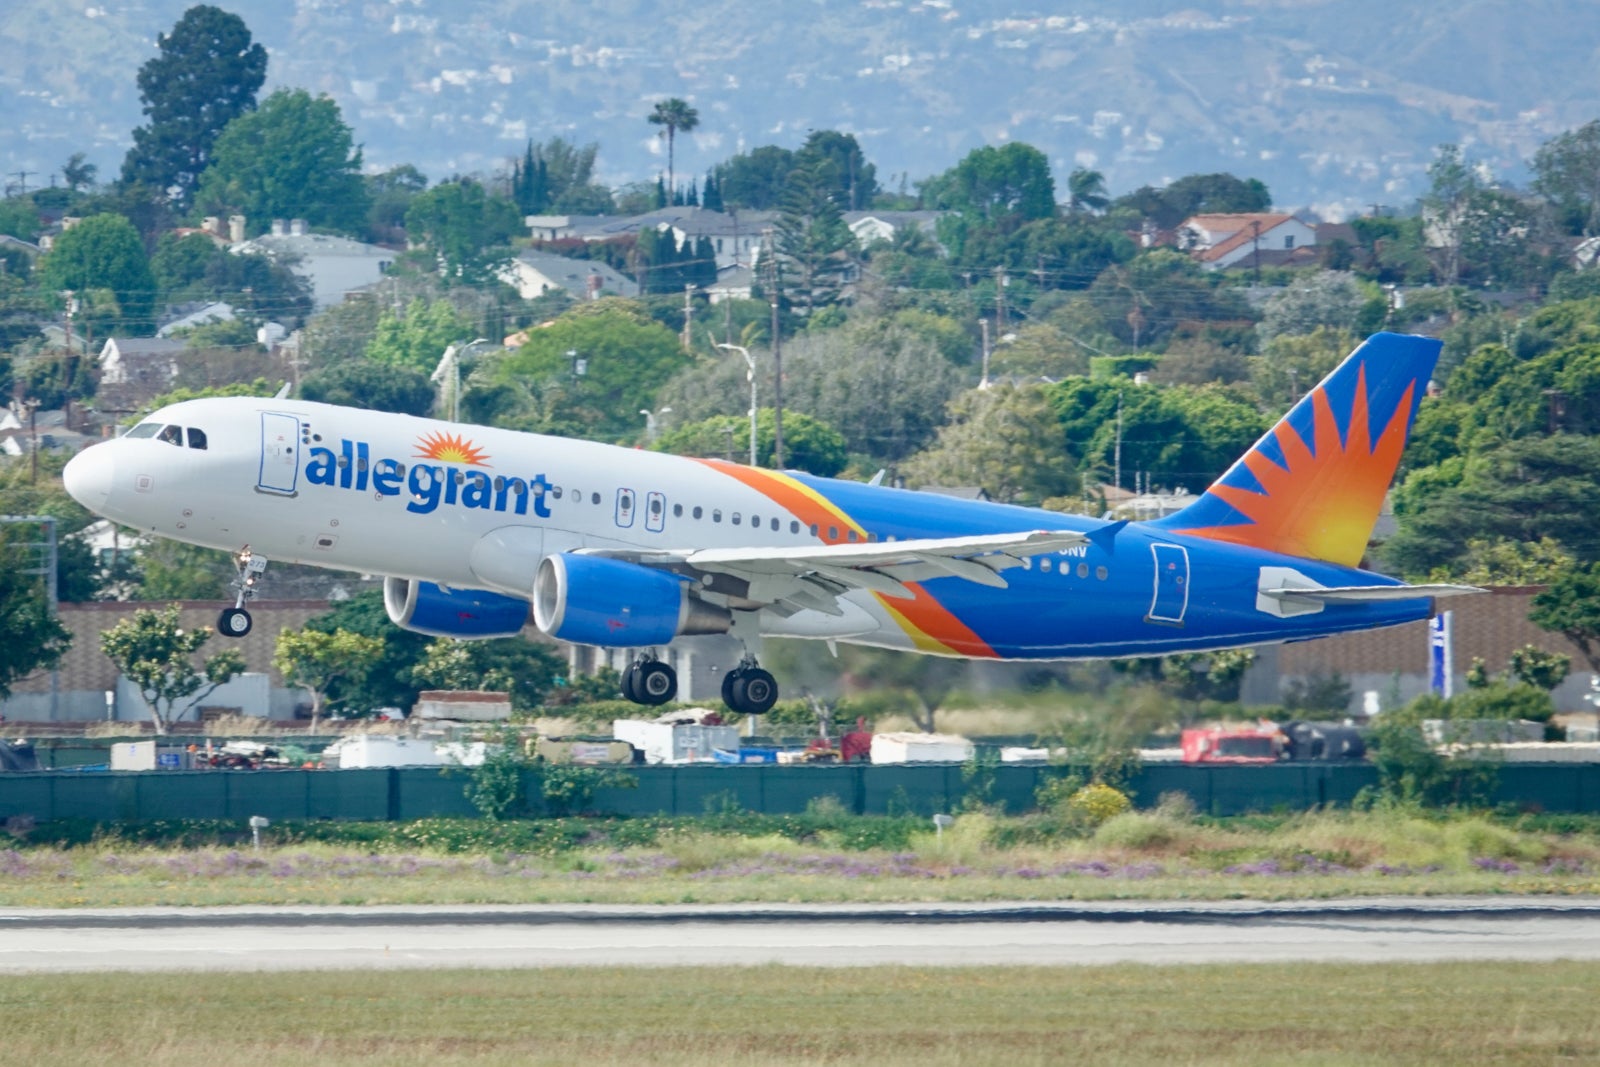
point(1324, 503)
point(451, 448)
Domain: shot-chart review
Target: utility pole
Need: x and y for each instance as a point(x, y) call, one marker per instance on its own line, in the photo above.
point(983, 325)
point(777, 356)
point(1255, 241)
point(1117, 476)
point(1000, 300)
point(688, 314)
point(22, 181)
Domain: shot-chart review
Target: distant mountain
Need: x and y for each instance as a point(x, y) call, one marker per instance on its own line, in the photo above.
point(1333, 103)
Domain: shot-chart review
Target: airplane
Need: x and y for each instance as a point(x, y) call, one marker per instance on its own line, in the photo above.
point(475, 529)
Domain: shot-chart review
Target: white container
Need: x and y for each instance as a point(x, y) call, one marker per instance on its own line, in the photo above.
point(366, 751)
point(674, 742)
point(133, 756)
point(920, 748)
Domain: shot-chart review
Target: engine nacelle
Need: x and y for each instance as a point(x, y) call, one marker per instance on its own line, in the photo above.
point(591, 600)
point(465, 613)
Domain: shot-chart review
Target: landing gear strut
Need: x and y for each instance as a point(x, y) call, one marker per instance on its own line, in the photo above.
point(248, 567)
point(650, 682)
point(749, 690)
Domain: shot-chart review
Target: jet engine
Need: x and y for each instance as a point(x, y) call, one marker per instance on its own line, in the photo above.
point(591, 600)
point(430, 609)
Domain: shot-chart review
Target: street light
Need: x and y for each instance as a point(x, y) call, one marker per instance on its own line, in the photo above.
point(750, 373)
point(450, 363)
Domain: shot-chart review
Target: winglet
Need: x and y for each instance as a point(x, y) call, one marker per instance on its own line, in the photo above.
point(283, 394)
point(1105, 536)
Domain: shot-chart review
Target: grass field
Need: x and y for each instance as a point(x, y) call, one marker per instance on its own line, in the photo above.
point(1237, 1015)
point(1138, 855)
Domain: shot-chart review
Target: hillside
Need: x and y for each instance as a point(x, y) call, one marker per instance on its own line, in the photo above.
point(1331, 102)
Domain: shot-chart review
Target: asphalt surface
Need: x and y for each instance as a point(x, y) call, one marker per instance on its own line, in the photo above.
point(1391, 929)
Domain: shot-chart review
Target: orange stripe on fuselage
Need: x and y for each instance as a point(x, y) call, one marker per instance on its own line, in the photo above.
point(931, 626)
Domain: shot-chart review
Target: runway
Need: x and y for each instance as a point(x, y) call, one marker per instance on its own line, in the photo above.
point(293, 938)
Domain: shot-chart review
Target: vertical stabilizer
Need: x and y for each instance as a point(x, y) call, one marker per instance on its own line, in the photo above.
point(1313, 485)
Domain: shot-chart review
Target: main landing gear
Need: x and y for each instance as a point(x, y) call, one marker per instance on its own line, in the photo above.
point(649, 681)
point(248, 567)
point(749, 690)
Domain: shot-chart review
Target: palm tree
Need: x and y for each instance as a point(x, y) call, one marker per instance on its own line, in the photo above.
point(1086, 190)
point(675, 115)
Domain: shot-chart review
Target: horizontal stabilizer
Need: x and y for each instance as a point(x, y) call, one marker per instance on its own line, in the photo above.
point(1369, 594)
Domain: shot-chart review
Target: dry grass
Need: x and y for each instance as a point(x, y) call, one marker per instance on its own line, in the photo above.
point(883, 1017)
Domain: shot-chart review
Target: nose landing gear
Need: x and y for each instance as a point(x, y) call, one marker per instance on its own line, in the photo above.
point(649, 682)
point(235, 621)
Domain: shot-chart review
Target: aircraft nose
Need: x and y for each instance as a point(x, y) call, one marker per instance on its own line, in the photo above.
point(88, 476)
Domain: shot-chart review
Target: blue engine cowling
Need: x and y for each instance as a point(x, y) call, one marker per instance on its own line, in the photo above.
point(466, 613)
point(591, 600)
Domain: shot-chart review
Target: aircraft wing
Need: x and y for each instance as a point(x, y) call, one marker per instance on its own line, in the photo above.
point(798, 577)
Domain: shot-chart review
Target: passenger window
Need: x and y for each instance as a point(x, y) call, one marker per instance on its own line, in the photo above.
point(716, 514)
point(734, 518)
point(851, 534)
point(1083, 570)
point(872, 537)
point(556, 492)
point(813, 529)
point(594, 498)
point(577, 496)
point(794, 526)
point(833, 533)
point(1044, 564)
point(144, 429)
point(1101, 573)
point(755, 520)
point(774, 524)
point(519, 487)
point(698, 511)
point(343, 462)
point(172, 435)
point(677, 511)
point(197, 438)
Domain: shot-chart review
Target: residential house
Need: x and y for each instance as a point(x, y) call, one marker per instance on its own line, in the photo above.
point(735, 235)
point(1264, 239)
point(188, 316)
point(871, 226)
point(333, 265)
point(133, 370)
point(534, 274)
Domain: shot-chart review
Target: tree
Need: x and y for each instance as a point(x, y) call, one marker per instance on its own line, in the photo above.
point(19, 218)
point(626, 358)
point(315, 660)
point(389, 195)
point(1453, 184)
point(390, 681)
point(1570, 606)
point(375, 386)
point(1003, 187)
point(808, 444)
point(1328, 298)
point(206, 75)
point(673, 115)
point(813, 241)
point(525, 669)
point(294, 157)
point(34, 637)
point(419, 337)
point(103, 260)
point(1567, 174)
point(469, 230)
point(156, 654)
point(1006, 440)
point(1086, 191)
point(755, 179)
point(76, 174)
point(836, 158)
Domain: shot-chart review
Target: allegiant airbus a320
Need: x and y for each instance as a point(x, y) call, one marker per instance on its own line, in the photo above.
point(473, 527)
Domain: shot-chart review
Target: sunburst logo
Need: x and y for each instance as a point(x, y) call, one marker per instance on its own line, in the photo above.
point(1316, 498)
point(451, 448)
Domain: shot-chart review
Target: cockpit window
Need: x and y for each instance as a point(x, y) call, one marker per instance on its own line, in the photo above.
point(172, 435)
point(144, 429)
point(197, 439)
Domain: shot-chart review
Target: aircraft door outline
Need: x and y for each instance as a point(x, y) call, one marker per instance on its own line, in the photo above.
point(1170, 598)
point(655, 512)
point(279, 473)
point(625, 502)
